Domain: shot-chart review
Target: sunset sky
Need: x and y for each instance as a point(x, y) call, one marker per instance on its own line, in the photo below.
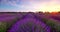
point(29, 5)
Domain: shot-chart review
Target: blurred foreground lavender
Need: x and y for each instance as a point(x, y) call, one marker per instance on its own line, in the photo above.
point(29, 22)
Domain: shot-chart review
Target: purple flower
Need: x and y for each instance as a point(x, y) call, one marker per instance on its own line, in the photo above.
point(29, 25)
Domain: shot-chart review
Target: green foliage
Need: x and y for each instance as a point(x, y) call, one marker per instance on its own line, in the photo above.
point(52, 24)
point(3, 26)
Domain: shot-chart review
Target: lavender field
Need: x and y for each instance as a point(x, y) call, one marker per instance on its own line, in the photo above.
point(29, 22)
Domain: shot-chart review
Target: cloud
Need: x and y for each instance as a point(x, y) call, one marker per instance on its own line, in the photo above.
point(32, 5)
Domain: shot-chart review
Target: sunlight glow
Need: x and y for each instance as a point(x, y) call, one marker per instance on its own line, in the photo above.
point(55, 8)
